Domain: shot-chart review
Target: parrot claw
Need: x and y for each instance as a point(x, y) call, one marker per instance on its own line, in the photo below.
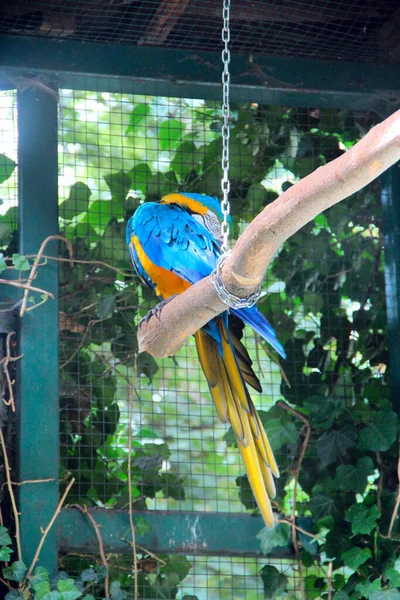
point(156, 311)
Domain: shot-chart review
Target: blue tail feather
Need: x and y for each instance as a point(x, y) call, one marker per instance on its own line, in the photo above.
point(256, 320)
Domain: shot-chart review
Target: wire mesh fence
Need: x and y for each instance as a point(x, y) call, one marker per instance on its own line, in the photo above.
point(129, 422)
point(8, 171)
point(211, 578)
point(354, 30)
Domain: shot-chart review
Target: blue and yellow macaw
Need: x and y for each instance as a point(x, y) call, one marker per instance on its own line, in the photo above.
point(173, 244)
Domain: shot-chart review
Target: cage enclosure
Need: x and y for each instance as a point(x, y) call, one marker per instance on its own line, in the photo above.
point(106, 105)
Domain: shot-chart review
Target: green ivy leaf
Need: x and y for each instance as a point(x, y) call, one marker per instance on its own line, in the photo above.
point(14, 595)
point(381, 434)
point(277, 537)
point(136, 117)
point(5, 553)
point(393, 574)
point(280, 432)
point(322, 506)
point(387, 594)
point(142, 526)
point(100, 214)
point(342, 595)
point(41, 574)
point(15, 572)
point(3, 264)
point(20, 262)
point(7, 166)
point(116, 593)
point(88, 575)
point(367, 587)
point(147, 365)
point(77, 202)
point(170, 133)
point(5, 539)
point(172, 486)
point(160, 184)
point(187, 157)
point(66, 585)
point(245, 492)
point(140, 175)
point(275, 583)
point(106, 306)
point(68, 589)
point(354, 478)
point(307, 559)
point(356, 556)
point(101, 573)
point(333, 444)
point(54, 595)
point(119, 184)
point(113, 247)
point(337, 542)
point(362, 519)
point(41, 588)
point(179, 565)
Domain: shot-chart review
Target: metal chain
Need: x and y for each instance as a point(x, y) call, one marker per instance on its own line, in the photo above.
point(225, 183)
point(231, 300)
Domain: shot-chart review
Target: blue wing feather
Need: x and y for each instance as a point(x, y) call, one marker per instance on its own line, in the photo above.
point(175, 241)
point(164, 231)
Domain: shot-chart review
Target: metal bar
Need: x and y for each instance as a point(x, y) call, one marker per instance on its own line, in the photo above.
point(203, 534)
point(390, 197)
point(38, 404)
point(164, 71)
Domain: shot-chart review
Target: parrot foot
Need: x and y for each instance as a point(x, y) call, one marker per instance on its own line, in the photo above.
point(156, 311)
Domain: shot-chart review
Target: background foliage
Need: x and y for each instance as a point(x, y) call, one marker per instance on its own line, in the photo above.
point(325, 295)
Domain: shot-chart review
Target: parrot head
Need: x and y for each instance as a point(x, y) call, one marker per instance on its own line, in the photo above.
point(205, 209)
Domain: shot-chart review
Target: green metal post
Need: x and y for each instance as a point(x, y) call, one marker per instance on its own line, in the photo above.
point(38, 397)
point(391, 220)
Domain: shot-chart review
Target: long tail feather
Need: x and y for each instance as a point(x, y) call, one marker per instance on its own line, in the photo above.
point(259, 323)
point(234, 404)
point(236, 327)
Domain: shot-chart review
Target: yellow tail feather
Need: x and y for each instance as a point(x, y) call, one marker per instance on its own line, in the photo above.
point(233, 404)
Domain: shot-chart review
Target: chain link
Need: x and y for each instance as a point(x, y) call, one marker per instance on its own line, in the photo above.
point(225, 295)
point(225, 183)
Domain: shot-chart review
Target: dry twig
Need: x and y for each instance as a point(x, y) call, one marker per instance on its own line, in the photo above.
point(288, 521)
point(297, 470)
point(330, 570)
point(89, 325)
point(84, 511)
point(26, 287)
point(73, 261)
point(32, 481)
point(49, 526)
point(35, 266)
point(7, 359)
point(380, 482)
point(11, 492)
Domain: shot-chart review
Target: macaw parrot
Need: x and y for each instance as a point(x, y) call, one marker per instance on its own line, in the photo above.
point(173, 244)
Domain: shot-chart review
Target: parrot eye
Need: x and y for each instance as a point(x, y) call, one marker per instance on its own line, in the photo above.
point(212, 223)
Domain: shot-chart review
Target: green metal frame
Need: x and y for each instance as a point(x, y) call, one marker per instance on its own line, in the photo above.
point(172, 532)
point(45, 62)
point(38, 395)
point(164, 71)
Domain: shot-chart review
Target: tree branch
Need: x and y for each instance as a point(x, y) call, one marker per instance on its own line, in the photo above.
point(164, 334)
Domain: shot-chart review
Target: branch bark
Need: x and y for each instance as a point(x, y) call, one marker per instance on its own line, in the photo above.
point(243, 271)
